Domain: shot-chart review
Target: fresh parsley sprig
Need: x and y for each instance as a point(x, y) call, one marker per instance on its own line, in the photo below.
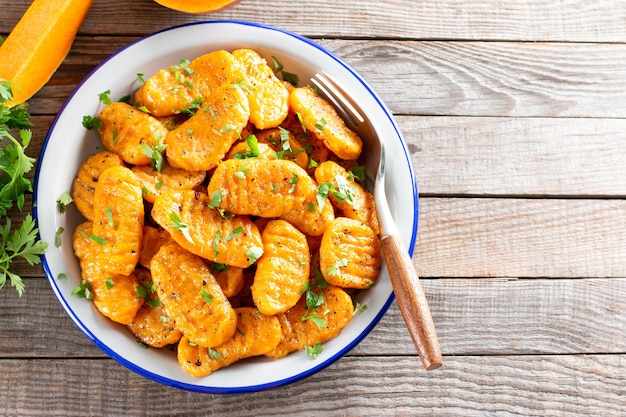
point(21, 241)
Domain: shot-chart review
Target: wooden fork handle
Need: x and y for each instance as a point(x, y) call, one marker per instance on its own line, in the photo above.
point(412, 302)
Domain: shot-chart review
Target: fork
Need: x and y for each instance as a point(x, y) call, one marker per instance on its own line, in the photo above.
point(404, 278)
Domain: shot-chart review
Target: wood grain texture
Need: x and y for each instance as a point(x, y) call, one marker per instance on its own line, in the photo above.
point(514, 117)
point(521, 238)
point(440, 78)
point(472, 317)
point(499, 156)
point(467, 386)
point(535, 157)
point(572, 20)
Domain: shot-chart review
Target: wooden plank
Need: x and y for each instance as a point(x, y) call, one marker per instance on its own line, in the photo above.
point(492, 78)
point(509, 156)
point(563, 385)
point(597, 21)
point(441, 78)
point(472, 316)
point(463, 237)
point(517, 156)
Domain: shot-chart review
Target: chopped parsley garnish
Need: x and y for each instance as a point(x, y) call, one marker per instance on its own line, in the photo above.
point(254, 253)
point(109, 283)
point(204, 294)
point(57, 237)
point(253, 149)
point(105, 97)
point(91, 123)
point(215, 243)
point(193, 106)
point(214, 354)
point(145, 291)
point(155, 153)
point(64, 200)
point(218, 267)
point(293, 181)
point(109, 212)
point(234, 234)
point(180, 226)
point(216, 199)
point(312, 316)
point(99, 240)
point(83, 290)
point(315, 350)
point(320, 125)
point(334, 269)
point(315, 299)
point(358, 174)
point(290, 77)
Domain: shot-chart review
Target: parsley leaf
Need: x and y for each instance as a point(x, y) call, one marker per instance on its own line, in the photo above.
point(64, 200)
point(204, 294)
point(315, 350)
point(155, 153)
point(91, 123)
point(83, 290)
point(254, 253)
point(21, 242)
point(180, 226)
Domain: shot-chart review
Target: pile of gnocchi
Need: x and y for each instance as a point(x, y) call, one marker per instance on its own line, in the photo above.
point(227, 216)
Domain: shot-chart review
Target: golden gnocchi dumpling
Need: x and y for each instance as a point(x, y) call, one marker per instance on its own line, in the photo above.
point(114, 295)
point(267, 95)
point(313, 215)
point(347, 195)
point(153, 239)
point(302, 326)
point(151, 325)
point(168, 92)
point(118, 213)
point(214, 70)
point(84, 185)
point(283, 270)
point(155, 182)
point(316, 149)
point(200, 143)
point(192, 297)
point(125, 130)
point(194, 222)
point(260, 187)
point(322, 120)
point(350, 254)
point(256, 335)
point(229, 278)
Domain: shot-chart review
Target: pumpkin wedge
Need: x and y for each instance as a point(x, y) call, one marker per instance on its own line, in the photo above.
point(39, 43)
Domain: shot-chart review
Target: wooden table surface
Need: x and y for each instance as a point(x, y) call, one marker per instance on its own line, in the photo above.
point(515, 116)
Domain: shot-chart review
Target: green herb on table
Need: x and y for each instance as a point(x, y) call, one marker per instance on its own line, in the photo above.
point(21, 242)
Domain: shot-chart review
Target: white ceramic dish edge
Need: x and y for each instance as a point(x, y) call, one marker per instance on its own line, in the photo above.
point(67, 136)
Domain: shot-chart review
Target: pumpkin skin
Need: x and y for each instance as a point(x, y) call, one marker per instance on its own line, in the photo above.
point(197, 6)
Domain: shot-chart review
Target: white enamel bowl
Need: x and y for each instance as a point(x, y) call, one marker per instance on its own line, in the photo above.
point(68, 144)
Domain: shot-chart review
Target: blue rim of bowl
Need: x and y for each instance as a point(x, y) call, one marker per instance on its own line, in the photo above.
point(251, 388)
